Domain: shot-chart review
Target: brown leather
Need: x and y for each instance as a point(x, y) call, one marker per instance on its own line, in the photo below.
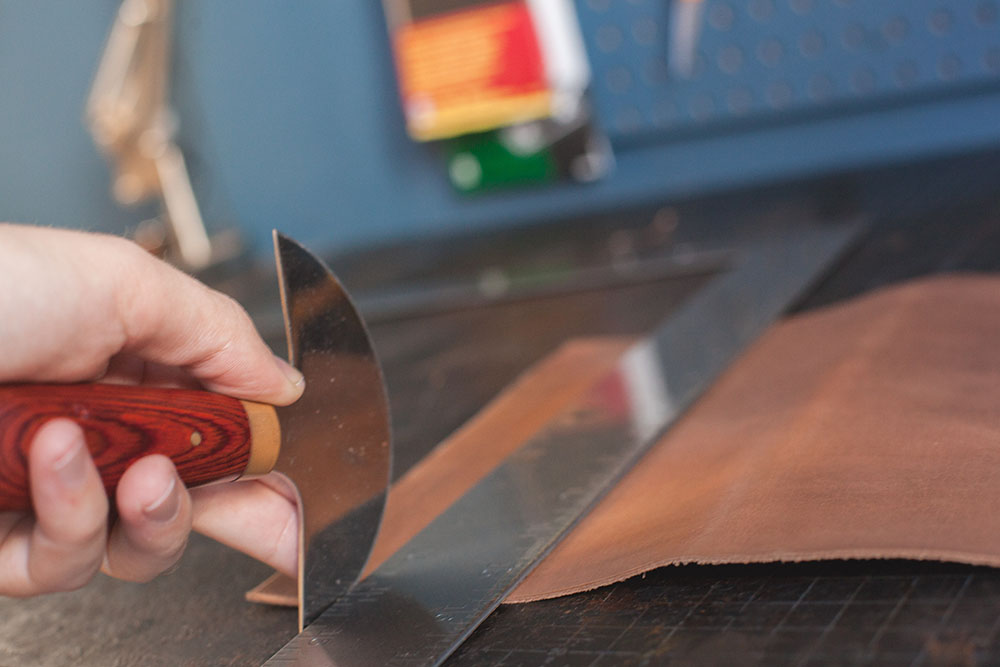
point(868, 429)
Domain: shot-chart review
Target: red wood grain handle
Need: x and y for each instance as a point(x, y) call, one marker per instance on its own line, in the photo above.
point(206, 435)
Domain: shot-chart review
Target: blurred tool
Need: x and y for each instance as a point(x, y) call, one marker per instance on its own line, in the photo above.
point(685, 29)
point(467, 66)
point(563, 54)
point(470, 66)
point(540, 151)
point(504, 85)
point(130, 119)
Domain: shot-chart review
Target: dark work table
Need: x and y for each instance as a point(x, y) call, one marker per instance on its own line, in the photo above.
point(458, 319)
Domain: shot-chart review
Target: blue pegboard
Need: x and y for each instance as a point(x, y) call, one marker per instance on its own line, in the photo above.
point(771, 60)
point(289, 114)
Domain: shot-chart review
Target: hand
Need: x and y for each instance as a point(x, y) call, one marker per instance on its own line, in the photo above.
point(76, 307)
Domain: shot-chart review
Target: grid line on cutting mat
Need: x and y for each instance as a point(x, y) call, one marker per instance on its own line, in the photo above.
point(857, 612)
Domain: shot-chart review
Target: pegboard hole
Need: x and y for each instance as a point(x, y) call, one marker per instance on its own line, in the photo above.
point(721, 17)
point(986, 13)
point(770, 52)
point(811, 43)
point(941, 21)
point(896, 29)
point(801, 7)
point(761, 10)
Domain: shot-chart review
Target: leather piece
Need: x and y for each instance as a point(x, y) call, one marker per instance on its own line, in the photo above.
point(869, 429)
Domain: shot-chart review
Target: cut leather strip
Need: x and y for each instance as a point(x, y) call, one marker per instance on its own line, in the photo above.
point(278, 589)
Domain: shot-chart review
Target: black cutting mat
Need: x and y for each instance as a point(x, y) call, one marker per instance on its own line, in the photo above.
point(856, 612)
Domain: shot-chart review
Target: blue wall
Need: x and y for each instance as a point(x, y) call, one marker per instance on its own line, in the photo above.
point(50, 172)
point(289, 118)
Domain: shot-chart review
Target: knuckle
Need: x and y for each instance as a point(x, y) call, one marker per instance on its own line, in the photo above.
point(161, 542)
point(87, 529)
point(80, 578)
point(145, 565)
point(170, 557)
point(238, 315)
point(84, 534)
point(169, 545)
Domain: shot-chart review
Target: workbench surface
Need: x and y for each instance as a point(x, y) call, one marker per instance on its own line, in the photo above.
point(441, 367)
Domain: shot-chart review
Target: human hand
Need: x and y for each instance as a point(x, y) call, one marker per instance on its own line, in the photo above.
point(77, 307)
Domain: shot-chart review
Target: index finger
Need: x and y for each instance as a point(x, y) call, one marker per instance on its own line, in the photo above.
point(82, 298)
point(170, 318)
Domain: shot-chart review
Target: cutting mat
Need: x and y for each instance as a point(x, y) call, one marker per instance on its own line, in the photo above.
point(886, 613)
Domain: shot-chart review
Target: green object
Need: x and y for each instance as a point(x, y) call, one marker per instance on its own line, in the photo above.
point(484, 161)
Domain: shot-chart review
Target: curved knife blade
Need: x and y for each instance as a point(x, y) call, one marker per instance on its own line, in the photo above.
point(336, 438)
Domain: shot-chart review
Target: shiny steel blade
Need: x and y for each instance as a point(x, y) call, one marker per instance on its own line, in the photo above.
point(336, 438)
point(419, 605)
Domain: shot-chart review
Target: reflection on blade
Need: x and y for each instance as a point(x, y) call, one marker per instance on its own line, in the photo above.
point(648, 394)
point(335, 439)
point(427, 598)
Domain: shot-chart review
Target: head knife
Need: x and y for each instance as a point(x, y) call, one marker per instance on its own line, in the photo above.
point(333, 444)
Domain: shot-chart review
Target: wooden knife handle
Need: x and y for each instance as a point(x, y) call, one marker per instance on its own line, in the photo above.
point(208, 436)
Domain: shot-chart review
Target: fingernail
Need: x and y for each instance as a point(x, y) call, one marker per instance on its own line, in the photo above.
point(290, 372)
point(71, 467)
point(166, 506)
